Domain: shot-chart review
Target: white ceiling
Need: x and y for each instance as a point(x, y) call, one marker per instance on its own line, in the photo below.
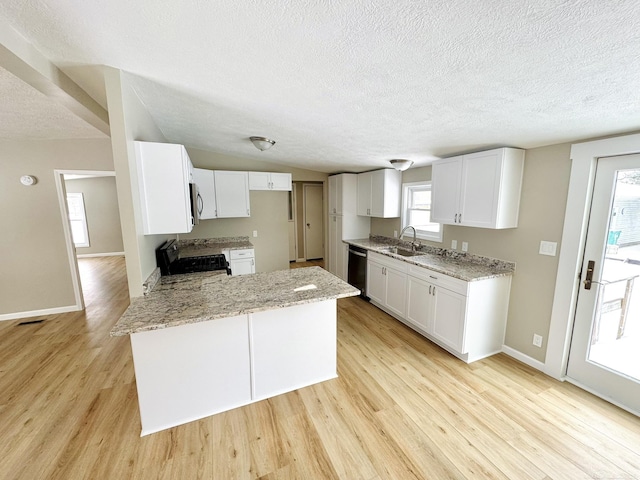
point(349, 85)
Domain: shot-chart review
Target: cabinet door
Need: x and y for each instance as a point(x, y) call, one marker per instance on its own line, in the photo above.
point(445, 190)
point(341, 250)
point(449, 318)
point(420, 303)
point(364, 194)
point(232, 194)
point(396, 291)
point(336, 186)
point(281, 181)
point(333, 244)
point(480, 189)
point(204, 179)
point(242, 266)
point(163, 178)
point(376, 285)
point(259, 181)
point(386, 192)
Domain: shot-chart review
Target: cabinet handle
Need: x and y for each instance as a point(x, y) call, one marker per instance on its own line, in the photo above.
point(429, 289)
point(252, 262)
point(455, 218)
point(431, 276)
point(434, 290)
point(248, 212)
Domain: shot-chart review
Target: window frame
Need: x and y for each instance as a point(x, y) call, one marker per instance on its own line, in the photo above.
point(82, 219)
point(421, 234)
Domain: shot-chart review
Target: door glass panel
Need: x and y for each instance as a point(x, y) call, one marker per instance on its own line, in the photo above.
point(615, 333)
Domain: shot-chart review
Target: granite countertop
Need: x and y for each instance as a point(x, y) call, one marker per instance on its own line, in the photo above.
point(464, 266)
point(211, 246)
point(199, 297)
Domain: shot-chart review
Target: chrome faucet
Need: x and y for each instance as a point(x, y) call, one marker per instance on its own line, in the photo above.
point(414, 244)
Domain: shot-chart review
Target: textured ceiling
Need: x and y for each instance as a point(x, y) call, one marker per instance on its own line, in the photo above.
point(348, 85)
point(27, 114)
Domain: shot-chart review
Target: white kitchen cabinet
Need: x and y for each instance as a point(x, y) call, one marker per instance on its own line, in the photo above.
point(206, 188)
point(164, 174)
point(241, 261)
point(449, 318)
point(344, 224)
point(466, 318)
point(232, 194)
point(386, 282)
point(379, 193)
point(478, 190)
point(269, 181)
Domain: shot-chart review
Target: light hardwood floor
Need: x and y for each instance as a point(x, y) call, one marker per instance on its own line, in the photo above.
point(401, 408)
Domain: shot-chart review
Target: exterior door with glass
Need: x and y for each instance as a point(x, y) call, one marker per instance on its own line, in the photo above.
point(605, 346)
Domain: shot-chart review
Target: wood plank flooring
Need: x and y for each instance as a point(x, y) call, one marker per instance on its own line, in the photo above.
point(402, 408)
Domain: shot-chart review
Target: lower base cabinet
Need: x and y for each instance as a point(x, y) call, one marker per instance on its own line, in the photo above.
point(466, 318)
point(386, 283)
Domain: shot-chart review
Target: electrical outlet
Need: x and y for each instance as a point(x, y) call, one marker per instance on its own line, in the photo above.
point(395, 234)
point(255, 233)
point(537, 340)
point(465, 246)
point(454, 244)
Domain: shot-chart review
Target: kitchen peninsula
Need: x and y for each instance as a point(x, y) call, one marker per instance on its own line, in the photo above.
point(205, 343)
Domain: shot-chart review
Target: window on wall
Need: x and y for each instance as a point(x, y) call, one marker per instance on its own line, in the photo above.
point(78, 219)
point(416, 211)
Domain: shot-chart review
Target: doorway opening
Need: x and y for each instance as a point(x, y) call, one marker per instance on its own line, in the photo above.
point(98, 224)
point(307, 231)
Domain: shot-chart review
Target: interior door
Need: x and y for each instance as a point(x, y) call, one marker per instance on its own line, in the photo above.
point(313, 225)
point(604, 354)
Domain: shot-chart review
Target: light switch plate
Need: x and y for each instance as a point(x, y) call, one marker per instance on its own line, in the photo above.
point(465, 246)
point(548, 248)
point(255, 233)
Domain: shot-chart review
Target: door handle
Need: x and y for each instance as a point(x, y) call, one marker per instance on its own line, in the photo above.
point(588, 279)
point(308, 225)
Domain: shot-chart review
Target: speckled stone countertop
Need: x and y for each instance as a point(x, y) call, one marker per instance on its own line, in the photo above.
point(199, 297)
point(211, 246)
point(460, 265)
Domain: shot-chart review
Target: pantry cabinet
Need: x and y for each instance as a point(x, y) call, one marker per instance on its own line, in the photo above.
point(478, 190)
point(344, 224)
point(164, 173)
point(379, 193)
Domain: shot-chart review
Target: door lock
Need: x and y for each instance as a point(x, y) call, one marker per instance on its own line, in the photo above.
point(588, 279)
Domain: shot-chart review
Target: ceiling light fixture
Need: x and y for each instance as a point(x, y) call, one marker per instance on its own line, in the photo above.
point(262, 143)
point(400, 164)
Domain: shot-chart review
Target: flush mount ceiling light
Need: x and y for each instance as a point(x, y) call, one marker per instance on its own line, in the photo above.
point(262, 143)
point(400, 164)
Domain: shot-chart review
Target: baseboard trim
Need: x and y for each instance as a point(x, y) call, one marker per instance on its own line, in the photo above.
point(526, 359)
point(107, 254)
point(37, 313)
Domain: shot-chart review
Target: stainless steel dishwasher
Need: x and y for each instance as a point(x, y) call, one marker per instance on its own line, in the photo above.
point(358, 269)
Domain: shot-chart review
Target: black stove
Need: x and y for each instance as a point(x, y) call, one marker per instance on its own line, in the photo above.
point(170, 263)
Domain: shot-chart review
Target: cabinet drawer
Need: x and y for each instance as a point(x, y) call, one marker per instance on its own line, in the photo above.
point(440, 279)
point(242, 253)
point(388, 261)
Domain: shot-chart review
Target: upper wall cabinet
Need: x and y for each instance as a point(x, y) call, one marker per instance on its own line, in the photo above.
point(478, 190)
point(206, 188)
point(223, 194)
point(379, 193)
point(232, 194)
point(269, 181)
point(164, 173)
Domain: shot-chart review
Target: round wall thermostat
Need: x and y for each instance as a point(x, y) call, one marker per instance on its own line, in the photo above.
point(28, 180)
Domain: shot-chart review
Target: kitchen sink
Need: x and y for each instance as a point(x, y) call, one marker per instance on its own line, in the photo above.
point(401, 251)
